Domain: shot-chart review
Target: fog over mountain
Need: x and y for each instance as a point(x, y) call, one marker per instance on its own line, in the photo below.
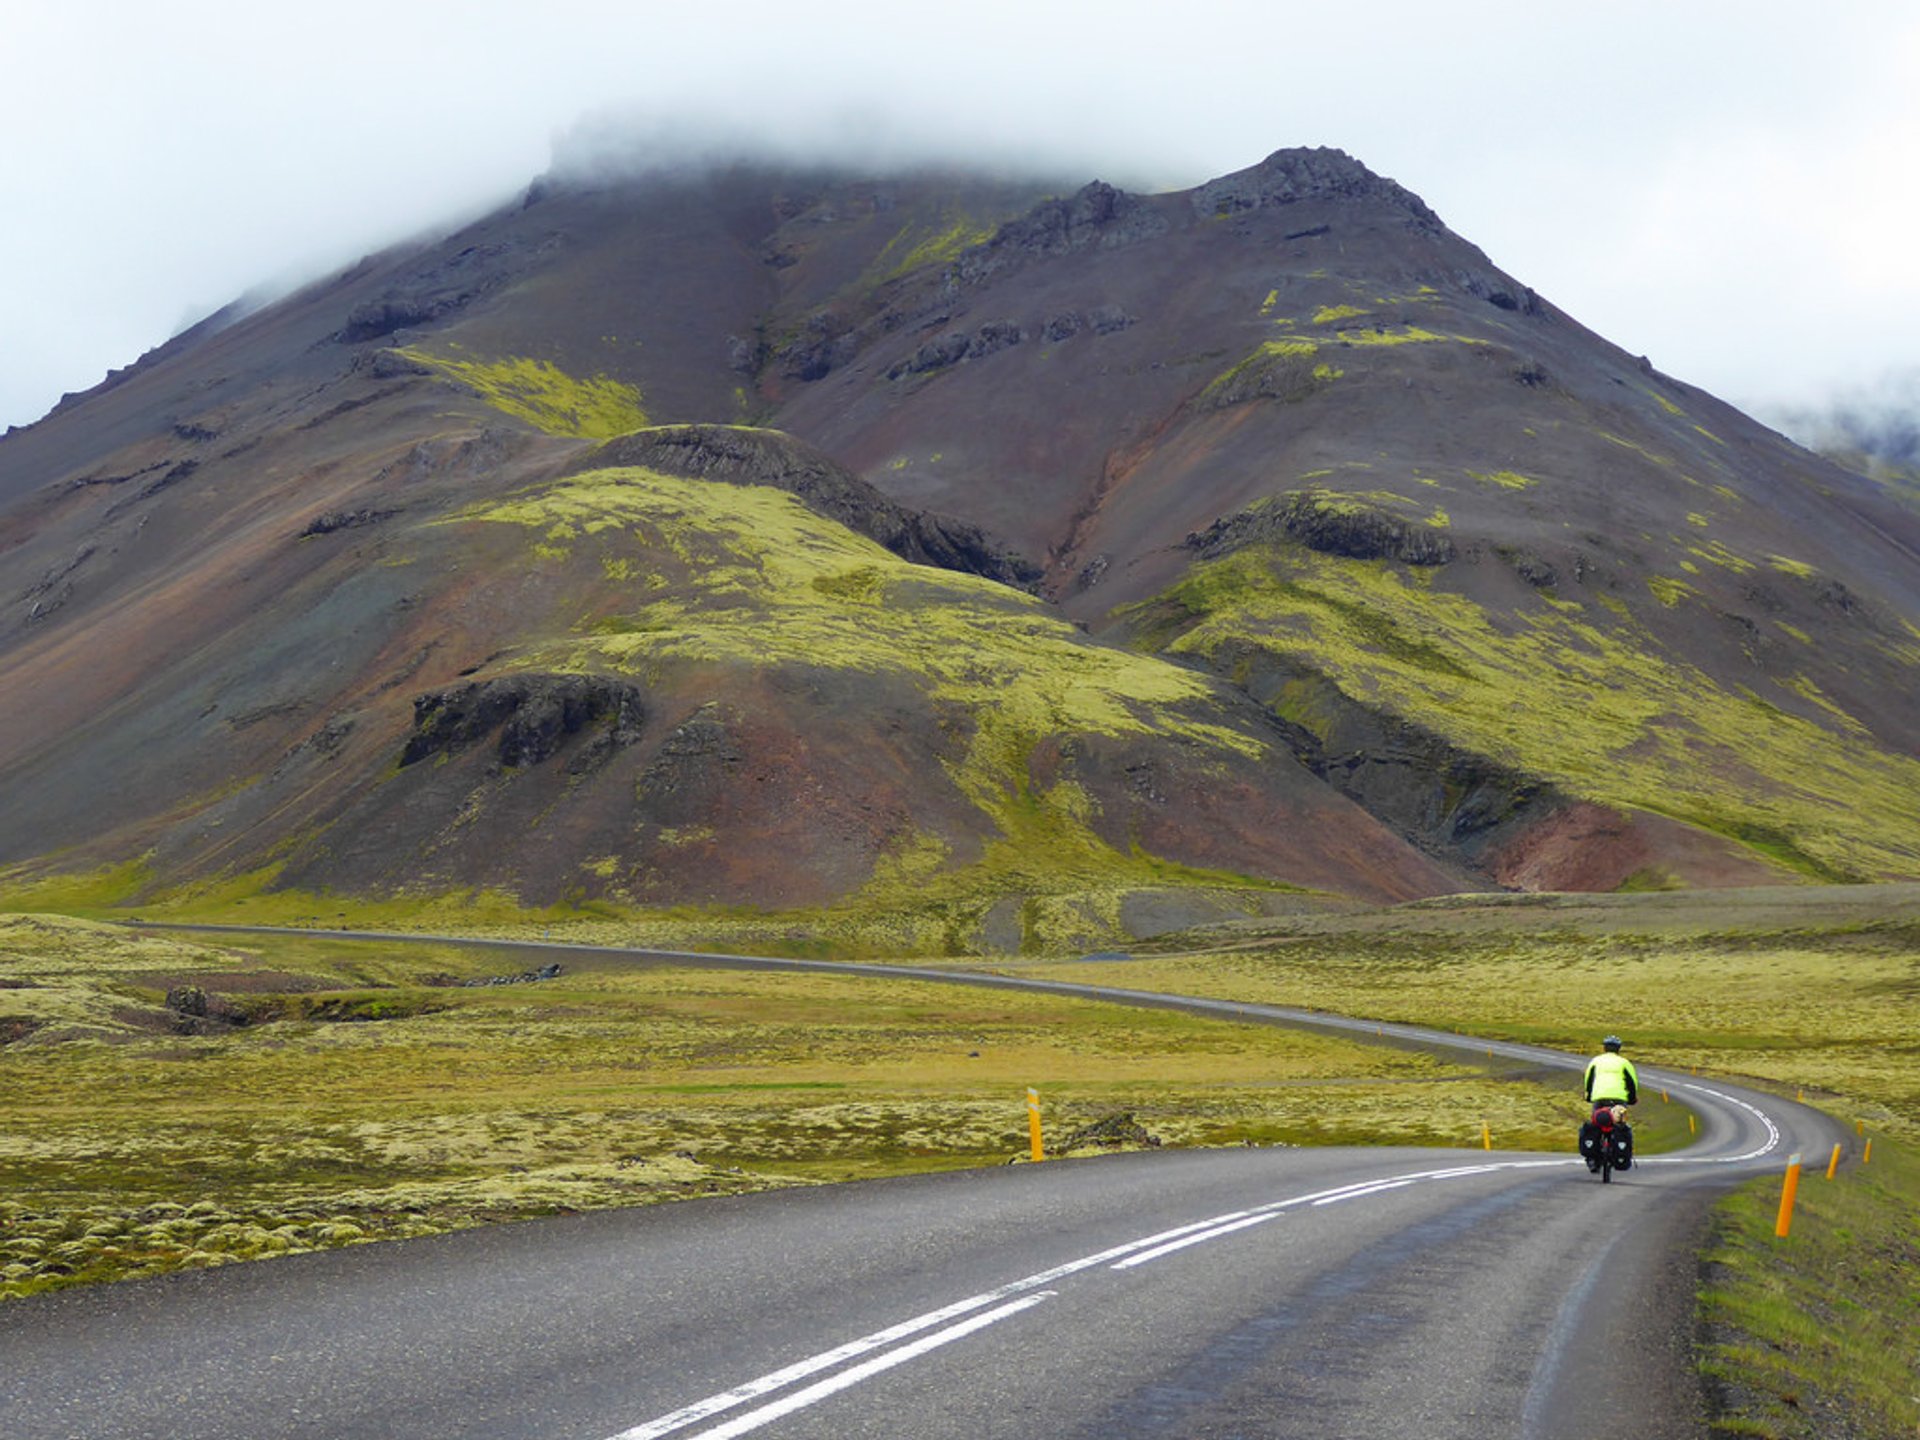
point(1877, 427)
point(1718, 200)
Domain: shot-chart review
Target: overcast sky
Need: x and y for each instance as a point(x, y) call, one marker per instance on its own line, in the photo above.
point(1725, 185)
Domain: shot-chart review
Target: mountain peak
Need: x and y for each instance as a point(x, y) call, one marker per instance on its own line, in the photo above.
point(1317, 173)
point(1354, 575)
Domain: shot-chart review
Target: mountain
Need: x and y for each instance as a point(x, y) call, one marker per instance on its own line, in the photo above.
point(987, 560)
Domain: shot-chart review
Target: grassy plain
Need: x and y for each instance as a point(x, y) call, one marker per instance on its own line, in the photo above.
point(335, 1092)
point(1796, 987)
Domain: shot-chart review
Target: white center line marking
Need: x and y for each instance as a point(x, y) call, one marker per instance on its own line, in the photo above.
point(1367, 1190)
point(1216, 1231)
point(880, 1339)
point(1134, 1252)
point(846, 1379)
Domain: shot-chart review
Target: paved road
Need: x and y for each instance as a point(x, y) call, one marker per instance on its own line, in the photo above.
point(1249, 1293)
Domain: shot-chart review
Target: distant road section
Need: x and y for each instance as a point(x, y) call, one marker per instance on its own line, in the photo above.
point(1246, 1293)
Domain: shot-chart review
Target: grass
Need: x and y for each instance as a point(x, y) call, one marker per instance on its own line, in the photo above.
point(1796, 988)
point(353, 1094)
point(1818, 1334)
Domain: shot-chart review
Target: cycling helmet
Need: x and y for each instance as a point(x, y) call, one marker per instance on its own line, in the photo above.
point(1612, 1042)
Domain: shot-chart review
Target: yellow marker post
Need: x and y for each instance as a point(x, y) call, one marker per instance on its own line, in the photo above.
point(1859, 1127)
point(1801, 1096)
point(1690, 1126)
point(1787, 1192)
point(1833, 1164)
point(1486, 1136)
point(1033, 1123)
point(1665, 1099)
point(1867, 1154)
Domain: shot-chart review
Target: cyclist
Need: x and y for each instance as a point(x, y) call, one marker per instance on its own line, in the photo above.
point(1611, 1084)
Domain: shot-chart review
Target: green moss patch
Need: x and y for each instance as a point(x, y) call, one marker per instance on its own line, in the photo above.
point(1583, 697)
point(137, 1151)
point(542, 394)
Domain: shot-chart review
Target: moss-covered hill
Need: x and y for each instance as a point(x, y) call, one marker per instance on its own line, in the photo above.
point(971, 563)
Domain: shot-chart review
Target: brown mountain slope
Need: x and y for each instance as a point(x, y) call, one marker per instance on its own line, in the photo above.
point(362, 591)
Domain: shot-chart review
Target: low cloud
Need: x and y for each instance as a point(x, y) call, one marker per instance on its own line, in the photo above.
point(1875, 427)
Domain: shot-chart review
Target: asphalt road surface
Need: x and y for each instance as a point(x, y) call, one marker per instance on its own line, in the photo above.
point(1199, 1295)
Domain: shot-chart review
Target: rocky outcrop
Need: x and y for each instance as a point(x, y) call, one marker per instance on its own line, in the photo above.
point(1331, 523)
point(958, 345)
point(334, 520)
point(1287, 177)
point(1450, 801)
point(741, 456)
point(1097, 214)
point(1111, 1132)
point(532, 715)
point(372, 319)
point(440, 286)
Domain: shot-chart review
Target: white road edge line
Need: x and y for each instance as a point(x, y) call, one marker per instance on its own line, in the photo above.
point(846, 1379)
point(1773, 1133)
point(1214, 1233)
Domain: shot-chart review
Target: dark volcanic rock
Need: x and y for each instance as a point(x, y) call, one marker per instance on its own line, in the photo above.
point(957, 345)
point(1110, 1132)
point(826, 343)
point(197, 1013)
point(372, 319)
point(1289, 176)
point(345, 520)
point(1095, 215)
point(1332, 524)
point(534, 714)
point(1528, 565)
point(740, 456)
point(1447, 799)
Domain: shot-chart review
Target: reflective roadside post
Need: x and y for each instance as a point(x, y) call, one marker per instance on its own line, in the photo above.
point(1033, 1123)
point(1785, 1222)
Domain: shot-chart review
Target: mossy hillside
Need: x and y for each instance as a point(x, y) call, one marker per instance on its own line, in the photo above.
point(614, 1084)
point(1296, 365)
point(541, 394)
point(682, 582)
point(936, 238)
point(694, 576)
point(1583, 696)
point(1817, 1334)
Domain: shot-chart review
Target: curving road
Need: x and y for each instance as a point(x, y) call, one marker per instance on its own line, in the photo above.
point(1243, 1293)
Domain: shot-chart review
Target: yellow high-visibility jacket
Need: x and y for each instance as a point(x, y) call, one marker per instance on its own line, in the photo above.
point(1610, 1079)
